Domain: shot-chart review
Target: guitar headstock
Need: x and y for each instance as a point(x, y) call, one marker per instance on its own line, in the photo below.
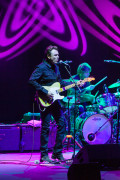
point(89, 79)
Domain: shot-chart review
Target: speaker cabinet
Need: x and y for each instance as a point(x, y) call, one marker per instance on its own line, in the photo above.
point(107, 155)
point(9, 138)
point(23, 137)
point(89, 171)
point(92, 158)
point(30, 137)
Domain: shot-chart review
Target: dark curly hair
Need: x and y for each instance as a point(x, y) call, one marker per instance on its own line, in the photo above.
point(49, 49)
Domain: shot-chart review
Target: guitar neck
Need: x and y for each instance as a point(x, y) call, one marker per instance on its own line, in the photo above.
point(66, 87)
point(80, 82)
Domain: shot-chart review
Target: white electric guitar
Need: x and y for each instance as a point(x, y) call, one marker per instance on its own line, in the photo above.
point(56, 89)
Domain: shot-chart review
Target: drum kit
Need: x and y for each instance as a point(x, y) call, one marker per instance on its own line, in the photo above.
point(96, 125)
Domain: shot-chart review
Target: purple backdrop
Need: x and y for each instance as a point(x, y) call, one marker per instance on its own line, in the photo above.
point(84, 31)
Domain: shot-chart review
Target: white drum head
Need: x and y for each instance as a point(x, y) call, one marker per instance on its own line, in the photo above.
point(92, 125)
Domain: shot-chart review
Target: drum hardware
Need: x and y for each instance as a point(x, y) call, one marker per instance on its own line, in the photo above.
point(117, 95)
point(107, 101)
point(102, 108)
point(118, 118)
point(80, 98)
point(91, 136)
point(70, 136)
point(88, 127)
point(115, 85)
point(93, 108)
point(96, 129)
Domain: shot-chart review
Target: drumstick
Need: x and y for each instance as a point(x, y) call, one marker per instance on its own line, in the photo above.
point(100, 81)
point(96, 93)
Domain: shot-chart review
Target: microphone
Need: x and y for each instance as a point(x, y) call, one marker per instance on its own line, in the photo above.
point(64, 62)
point(91, 137)
point(111, 61)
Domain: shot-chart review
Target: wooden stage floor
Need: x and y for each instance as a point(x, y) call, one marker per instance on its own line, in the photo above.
point(17, 166)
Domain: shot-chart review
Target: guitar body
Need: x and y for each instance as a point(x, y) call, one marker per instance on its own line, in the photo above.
point(53, 88)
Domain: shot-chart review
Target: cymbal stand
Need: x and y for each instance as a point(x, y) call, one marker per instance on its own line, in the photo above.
point(118, 119)
point(68, 136)
point(76, 86)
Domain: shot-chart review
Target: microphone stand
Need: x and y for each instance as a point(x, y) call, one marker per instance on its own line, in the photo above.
point(117, 138)
point(118, 116)
point(76, 86)
point(111, 61)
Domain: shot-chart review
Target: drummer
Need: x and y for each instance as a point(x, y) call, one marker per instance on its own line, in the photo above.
point(84, 96)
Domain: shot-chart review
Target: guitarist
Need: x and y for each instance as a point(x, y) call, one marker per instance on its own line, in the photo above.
point(46, 74)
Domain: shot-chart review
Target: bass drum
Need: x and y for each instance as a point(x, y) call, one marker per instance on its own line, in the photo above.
point(95, 129)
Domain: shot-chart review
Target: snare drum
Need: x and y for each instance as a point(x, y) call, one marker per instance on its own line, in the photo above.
point(107, 102)
point(93, 108)
point(95, 129)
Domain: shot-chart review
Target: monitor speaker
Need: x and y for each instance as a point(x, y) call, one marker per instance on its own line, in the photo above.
point(92, 158)
point(107, 155)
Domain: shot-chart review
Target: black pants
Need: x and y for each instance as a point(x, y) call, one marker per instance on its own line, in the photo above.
point(56, 111)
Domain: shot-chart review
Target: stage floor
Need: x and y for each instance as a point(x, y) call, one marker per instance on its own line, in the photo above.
point(17, 166)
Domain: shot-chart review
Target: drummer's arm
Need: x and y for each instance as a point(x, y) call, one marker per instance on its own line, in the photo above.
point(90, 88)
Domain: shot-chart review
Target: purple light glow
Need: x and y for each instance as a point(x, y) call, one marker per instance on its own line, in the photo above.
point(23, 25)
point(102, 7)
point(118, 56)
point(108, 10)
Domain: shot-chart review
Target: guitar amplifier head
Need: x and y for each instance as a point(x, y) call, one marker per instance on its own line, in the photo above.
point(29, 116)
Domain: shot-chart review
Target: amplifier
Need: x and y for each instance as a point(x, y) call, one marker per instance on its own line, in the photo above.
point(27, 141)
point(30, 137)
point(23, 137)
point(9, 138)
point(29, 116)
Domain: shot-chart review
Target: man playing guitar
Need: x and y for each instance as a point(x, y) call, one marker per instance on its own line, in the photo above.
point(46, 74)
point(46, 79)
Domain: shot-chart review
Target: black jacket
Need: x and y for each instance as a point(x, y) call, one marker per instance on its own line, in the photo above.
point(45, 75)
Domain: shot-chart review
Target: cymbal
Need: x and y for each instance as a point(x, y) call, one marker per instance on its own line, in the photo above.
point(72, 99)
point(114, 85)
point(86, 98)
point(80, 99)
point(117, 94)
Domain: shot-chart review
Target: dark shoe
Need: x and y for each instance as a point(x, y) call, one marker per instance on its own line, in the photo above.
point(59, 157)
point(45, 159)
